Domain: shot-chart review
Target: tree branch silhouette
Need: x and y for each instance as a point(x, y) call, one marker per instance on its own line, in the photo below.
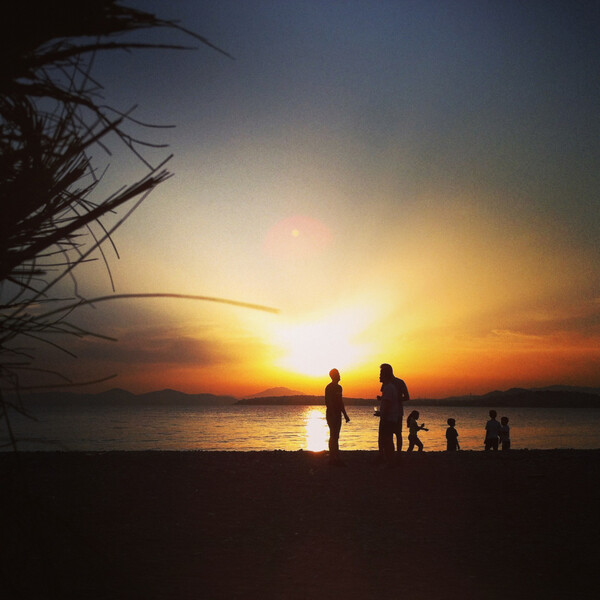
point(52, 117)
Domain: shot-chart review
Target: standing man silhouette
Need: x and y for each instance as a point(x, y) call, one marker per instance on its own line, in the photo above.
point(389, 413)
point(333, 414)
point(403, 397)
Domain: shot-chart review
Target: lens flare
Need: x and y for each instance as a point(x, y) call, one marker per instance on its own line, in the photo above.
point(297, 237)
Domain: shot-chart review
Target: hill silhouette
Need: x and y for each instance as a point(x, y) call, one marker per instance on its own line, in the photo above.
point(276, 391)
point(119, 397)
point(552, 396)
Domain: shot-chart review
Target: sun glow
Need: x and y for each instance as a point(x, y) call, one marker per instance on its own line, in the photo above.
point(314, 347)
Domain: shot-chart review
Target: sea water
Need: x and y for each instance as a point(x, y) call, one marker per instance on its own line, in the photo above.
point(247, 428)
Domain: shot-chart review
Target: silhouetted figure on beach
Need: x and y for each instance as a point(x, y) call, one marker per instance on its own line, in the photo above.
point(452, 436)
point(335, 409)
point(402, 397)
point(504, 433)
point(492, 431)
point(389, 413)
point(413, 430)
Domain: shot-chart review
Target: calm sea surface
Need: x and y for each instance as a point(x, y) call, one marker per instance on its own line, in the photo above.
point(282, 427)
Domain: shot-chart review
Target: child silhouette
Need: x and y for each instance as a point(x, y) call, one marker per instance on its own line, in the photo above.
point(413, 430)
point(492, 431)
point(452, 436)
point(504, 433)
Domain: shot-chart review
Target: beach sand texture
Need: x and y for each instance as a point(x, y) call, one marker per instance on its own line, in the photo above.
point(206, 525)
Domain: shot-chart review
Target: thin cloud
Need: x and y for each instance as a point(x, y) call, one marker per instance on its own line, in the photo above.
point(155, 346)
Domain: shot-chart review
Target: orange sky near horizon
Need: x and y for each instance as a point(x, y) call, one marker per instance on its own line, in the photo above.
point(455, 347)
point(414, 184)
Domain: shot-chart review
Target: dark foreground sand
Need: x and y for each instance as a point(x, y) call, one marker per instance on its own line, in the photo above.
point(206, 525)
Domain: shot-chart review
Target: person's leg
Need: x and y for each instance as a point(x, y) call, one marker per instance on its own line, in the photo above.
point(419, 444)
point(411, 443)
point(389, 448)
point(334, 437)
point(380, 440)
point(335, 426)
point(399, 435)
point(387, 430)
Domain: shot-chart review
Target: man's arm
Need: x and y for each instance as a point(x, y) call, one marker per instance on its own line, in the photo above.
point(402, 391)
point(341, 403)
point(345, 413)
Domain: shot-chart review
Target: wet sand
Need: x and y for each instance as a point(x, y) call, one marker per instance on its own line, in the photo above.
point(204, 525)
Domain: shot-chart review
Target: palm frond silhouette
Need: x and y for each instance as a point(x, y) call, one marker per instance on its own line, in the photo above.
point(53, 120)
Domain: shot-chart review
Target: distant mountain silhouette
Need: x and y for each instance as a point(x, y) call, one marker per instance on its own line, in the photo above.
point(515, 397)
point(568, 388)
point(275, 392)
point(119, 397)
point(552, 396)
point(295, 400)
point(109, 395)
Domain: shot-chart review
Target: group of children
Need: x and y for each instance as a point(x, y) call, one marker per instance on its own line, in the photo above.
point(495, 433)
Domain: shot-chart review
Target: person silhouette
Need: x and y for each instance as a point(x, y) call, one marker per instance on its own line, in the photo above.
point(492, 431)
point(413, 430)
point(452, 436)
point(333, 414)
point(403, 396)
point(389, 413)
point(504, 433)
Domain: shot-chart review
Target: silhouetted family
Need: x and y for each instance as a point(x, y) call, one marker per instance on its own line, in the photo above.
point(390, 411)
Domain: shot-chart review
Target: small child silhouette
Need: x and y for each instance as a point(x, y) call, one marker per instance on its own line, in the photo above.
point(492, 431)
point(504, 433)
point(413, 430)
point(452, 436)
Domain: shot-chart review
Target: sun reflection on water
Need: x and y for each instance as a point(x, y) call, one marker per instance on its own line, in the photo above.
point(317, 432)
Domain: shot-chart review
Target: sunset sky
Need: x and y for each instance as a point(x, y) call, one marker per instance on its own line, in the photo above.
point(406, 182)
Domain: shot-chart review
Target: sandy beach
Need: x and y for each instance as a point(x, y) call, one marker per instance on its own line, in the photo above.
point(185, 525)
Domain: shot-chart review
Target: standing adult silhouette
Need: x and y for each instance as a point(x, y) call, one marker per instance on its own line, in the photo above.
point(333, 413)
point(389, 413)
point(403, 396)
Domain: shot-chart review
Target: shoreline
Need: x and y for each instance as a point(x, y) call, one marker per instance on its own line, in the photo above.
point(298, 451)
point(286, 524)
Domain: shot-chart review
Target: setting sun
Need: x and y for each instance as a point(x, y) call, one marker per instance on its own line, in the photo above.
point(314, 347)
